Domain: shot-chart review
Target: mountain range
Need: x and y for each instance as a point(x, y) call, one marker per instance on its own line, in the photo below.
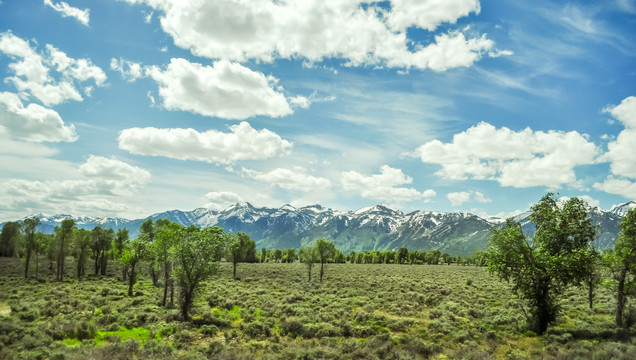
point(373, 228)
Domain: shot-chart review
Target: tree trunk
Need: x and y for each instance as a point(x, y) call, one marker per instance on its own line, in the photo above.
point(104, 262)
point(590, 291)
point(322, 271)
point(166, 276)
point(97, 264)
point(620, 297)
point(171, 293)
point(26, 265)
point(153, 275)
point(185, 305)
point(131, 279)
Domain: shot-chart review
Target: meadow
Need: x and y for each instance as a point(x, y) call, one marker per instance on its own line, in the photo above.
point(271, 311)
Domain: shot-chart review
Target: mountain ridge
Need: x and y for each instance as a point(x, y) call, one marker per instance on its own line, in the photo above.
point(377, 227)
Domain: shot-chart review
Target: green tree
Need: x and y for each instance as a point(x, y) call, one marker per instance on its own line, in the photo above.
point(102, 241)
point(28, 226)
point(623, 265)
point(134, 252)
point(8, 240)
point(195, 261)
point(150, 230)
point(263, 255)
point(117, 249)
point(542, 266)
point(326, 251)
point(41, 245)
point(64, 234)
point(235, 251)
point(309, 256)
point(166, 238)
point(402, 255)
point(81, 245)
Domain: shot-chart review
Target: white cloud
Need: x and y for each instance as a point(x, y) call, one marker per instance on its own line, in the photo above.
point(360, 32)
point(226, 90)
point(588, 199)
point(103, 168)
point(288, 179)
point(518, 159)
point(219, 200)
point(32, 71)
point(621, 152)
point(33, 122)
point(618, 186)
point(129, 70)
point(242, 143)
point(429, 14)
point(83, 16)
point(100, 181)
point(460, 197)
point(383, 186)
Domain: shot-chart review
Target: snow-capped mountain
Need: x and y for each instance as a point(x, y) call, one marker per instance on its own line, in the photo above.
point(372, 228)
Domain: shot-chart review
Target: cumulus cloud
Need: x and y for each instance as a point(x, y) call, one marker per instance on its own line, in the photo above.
point(129, 70)
point(621, 152)
point(33, 122)
point(32, 71)
point(383, 186)
point(460, 197)
point(83, 16)
point(101, 180)
point(359, 32)
point(519, 159)
point(219, 200)
point(226, 89)
point(242, 142)
point(289, 179)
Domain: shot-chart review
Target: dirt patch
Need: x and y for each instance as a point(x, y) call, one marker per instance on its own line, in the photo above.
point(5, 309)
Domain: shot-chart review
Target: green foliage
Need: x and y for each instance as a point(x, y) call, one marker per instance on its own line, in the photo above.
point(195, 261)
point(622, 262)
point(309, 256)
point(9, 238)
point(540, 268)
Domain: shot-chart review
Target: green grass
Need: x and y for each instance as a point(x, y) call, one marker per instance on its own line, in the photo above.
point(138, 334)
point(357, 312)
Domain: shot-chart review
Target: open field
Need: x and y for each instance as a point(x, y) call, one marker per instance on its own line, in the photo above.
point(272, 312)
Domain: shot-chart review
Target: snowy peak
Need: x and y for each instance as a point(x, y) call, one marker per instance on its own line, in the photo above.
point(622, 210)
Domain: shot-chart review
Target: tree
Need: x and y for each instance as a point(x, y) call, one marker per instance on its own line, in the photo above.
point(402, 255)
point(102, 241)
point(117, 249)
point(542, 266)
point(622, 262)
point(134, 252)
point(235, 251)
point(42, 242)
point(195, 261)
point(326, 250)
point(309, 256)
point(149, 229)
point(263, 254)
point(82, 242)
point(28, 226)
point(64, 235)
point(10, 233)
point(166, 239)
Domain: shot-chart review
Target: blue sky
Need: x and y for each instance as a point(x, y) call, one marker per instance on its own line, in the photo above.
point(131, 107)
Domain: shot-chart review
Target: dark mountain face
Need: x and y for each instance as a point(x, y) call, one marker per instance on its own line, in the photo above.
point(373, 228)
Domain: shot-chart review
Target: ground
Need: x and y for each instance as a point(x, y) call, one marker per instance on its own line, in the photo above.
point(272, 312)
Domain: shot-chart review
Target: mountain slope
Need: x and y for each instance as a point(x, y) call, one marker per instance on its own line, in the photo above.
point(372, 228)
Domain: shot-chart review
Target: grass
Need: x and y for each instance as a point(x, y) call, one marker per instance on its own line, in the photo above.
point(272, 312)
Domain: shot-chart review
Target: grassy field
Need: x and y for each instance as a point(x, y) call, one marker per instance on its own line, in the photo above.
point(272, 312)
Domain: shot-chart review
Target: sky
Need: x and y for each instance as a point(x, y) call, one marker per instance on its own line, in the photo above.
point(132, 107)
